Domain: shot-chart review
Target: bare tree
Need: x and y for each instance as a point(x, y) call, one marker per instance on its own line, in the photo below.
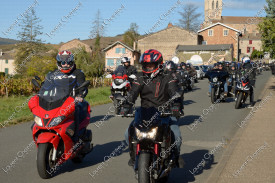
point(189, 18)
point(98, 26)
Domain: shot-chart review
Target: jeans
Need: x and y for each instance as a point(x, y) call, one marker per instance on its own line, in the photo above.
point(173, 126)
point(225, 86)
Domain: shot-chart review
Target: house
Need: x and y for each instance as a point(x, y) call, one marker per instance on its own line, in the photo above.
point(117, 50)
point(7, 63)
point(205, 54)
point(219, 33)
point(75, 44)
point(167, 40)
point(250, 42)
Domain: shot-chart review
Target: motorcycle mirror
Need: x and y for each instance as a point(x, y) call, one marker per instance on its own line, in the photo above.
point(37, 78)
point(35, 83)
point(109, 76)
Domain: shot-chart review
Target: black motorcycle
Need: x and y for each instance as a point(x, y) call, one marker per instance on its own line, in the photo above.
point(153, 145)
point(242, 91)
point(216, 79)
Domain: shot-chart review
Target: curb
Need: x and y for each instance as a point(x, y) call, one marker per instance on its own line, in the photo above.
point(215, 175)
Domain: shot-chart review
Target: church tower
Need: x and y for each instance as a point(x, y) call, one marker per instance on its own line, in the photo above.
point(212, 10)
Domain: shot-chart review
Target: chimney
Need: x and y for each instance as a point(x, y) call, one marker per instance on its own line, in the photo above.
point(170, 25)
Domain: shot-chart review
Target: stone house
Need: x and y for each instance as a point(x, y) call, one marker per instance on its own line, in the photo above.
point(167, 40)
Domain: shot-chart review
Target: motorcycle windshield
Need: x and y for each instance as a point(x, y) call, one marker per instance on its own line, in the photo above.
point(120, 71)
point(53, 93)
point(147, 118)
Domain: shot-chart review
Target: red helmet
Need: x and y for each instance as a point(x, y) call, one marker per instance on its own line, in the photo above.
point(151, 57)
point(65, 57)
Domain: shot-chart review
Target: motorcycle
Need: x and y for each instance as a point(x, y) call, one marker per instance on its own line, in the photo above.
point(119, 88)
point(152, 143)
point(53, 129)
point(242, 91)
point(188, 82)
point(217, 86)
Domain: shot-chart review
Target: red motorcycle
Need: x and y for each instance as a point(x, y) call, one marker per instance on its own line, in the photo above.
point(54, 114)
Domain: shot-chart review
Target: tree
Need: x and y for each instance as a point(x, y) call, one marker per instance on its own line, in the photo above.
point(257, 54)
point(270, 9)
point(30, 44)
point(267, 28)
point(190, 18)
point(98, 27)
point(131, 35)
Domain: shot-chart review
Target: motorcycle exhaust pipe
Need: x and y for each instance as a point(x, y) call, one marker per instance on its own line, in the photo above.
point(167, 170)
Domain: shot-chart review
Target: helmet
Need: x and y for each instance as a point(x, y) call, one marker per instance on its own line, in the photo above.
point(65, 57)
point(246, 60)
point(182, 64)
point(151, 57)
point(227, 64)
point(125, 59)
point(175, 59)
point(170, 65)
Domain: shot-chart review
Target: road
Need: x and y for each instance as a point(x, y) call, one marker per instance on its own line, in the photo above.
point(211, 136)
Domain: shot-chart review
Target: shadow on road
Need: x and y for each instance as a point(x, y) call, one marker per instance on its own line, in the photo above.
point(93, 160)
point(95, 119)
point(195, 163)
point(187, 120)
point(188, 102)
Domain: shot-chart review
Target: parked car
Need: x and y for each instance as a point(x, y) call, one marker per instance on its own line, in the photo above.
point(205, 68)
point(200, 73)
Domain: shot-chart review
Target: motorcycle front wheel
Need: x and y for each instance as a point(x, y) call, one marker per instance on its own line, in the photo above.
point(213, 95)
point(144, 168)
point(239, 100)
point(45, 164)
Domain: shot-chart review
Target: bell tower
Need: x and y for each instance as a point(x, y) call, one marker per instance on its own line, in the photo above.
point(212, 10)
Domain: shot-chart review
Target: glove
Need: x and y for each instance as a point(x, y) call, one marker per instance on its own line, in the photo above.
point(78, 99)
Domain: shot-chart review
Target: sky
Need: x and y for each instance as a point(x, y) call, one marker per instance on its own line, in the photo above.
point(64, 20)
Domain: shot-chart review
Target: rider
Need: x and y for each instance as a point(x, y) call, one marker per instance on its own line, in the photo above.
point(250, 73)
point(67, 69)
point(129, 68)
point(220, 69)
point(155, 89)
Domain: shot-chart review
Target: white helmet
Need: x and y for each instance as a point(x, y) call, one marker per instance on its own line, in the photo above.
point(125, 59)
point(246, 60)
point(175, 59)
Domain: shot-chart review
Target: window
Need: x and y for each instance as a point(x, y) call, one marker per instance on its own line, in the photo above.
point(7, 61)
point(120, 50)
point(6, 71)
point(210, 32)
point(250, 41)
point(225, 32)
point(217, 5)
point(213, 5)
point(248, 50)
point(204, 43)
point(110, 62)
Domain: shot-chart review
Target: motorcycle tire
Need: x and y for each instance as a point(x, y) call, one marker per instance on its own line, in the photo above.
point(44, 164)
point(239, 101)
point(143, 168)
point(213, 95)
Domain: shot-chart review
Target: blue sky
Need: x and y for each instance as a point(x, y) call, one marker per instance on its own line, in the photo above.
point(64, 20)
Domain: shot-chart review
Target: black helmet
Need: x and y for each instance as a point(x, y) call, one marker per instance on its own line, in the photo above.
point(170, 65)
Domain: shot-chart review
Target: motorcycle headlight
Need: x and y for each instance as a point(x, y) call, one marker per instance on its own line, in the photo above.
point(38, 121)
point(56, 121)
point(215, 79)
point(118, 81)
point(149, 135)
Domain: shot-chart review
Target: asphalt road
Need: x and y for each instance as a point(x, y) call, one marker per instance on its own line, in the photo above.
point(211, 136)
